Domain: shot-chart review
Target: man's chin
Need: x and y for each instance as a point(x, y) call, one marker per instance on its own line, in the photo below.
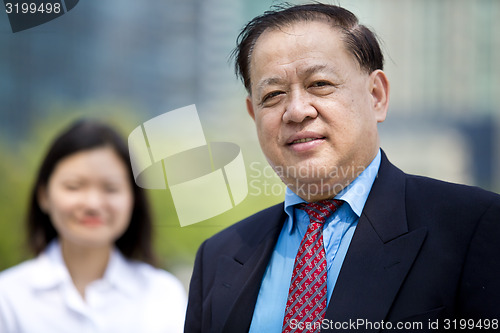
point(310, 171)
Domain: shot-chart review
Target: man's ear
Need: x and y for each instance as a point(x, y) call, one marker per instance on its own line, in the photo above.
point(42, 198)
point(250, 107)
point(379, 89)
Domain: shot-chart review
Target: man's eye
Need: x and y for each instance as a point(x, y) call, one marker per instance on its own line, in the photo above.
point(271, 95)
point(322, 87)
point(321, 84)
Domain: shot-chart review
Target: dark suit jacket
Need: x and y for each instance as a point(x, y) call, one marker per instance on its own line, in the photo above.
point(423, 250)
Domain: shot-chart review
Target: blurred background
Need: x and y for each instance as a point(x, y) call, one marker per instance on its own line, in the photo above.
point(127, 61)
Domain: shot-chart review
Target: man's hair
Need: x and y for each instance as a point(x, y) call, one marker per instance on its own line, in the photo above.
point(84, 135)
point(360, 41)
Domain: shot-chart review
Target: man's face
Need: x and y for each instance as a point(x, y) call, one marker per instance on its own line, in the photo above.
point(315, 110)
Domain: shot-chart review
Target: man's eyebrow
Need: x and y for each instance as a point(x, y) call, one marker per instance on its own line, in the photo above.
point(276, 80)
point(269, 82)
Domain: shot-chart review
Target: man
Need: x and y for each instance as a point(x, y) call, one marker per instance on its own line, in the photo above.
point(391, 251)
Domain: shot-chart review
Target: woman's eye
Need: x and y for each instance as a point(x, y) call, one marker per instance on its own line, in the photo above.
point(72, 187)
point(111, 189)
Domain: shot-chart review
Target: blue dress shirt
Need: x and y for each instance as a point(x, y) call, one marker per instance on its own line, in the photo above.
point(337, 234)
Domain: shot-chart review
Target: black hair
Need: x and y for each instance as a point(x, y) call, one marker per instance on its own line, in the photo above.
point(360, 41)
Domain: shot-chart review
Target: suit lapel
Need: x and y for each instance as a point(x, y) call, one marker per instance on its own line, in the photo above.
point(238, 278)
point(380, 254)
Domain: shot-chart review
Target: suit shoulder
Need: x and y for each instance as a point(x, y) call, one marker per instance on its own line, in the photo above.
point(433, 189)
point(263, 218)
point(448, 190)
point(440, 198)
point(252, 227)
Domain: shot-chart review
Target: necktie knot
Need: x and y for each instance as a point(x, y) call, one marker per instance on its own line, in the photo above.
point(320, 211)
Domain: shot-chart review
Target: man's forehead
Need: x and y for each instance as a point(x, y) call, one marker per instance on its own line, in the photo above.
point(265, 49)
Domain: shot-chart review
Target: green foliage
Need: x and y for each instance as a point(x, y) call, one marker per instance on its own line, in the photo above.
point(13, 191)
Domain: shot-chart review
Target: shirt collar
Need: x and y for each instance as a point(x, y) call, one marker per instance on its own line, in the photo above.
point(121, 274)
point(355, 194)
point(51, 271)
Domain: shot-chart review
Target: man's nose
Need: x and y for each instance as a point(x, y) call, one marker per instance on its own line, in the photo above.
point(298, 108)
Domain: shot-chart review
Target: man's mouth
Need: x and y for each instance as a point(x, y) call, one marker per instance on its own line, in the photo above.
point(305, 140)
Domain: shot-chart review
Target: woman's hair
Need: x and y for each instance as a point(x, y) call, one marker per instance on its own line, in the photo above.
point(135, 243)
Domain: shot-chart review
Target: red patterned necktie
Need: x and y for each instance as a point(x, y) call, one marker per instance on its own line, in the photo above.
point(306, 305)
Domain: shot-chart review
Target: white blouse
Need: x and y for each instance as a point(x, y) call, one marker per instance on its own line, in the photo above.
point(39, 296)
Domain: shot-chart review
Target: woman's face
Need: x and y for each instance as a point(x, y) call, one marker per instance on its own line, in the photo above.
point(89, 198)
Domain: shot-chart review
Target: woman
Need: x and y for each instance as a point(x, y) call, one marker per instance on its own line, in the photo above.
point(90, 227)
